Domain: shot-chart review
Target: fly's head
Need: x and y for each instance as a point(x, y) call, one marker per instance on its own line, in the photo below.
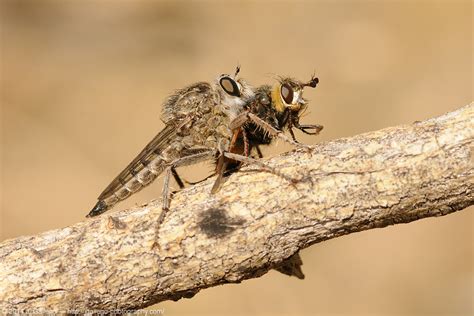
point(234, 93)
point(289, 103)
point(287, 94)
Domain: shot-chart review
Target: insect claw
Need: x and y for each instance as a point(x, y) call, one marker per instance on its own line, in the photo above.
point(307, 148)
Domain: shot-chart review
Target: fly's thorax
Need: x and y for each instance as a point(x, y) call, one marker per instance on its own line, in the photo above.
point(265, 108)
point(207, 130)
point(263, 105)
point(195, 98)
point(197, 134)
point(217, 118)
point(220, 135)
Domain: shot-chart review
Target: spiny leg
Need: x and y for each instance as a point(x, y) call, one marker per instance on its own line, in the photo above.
point(242, 118)
point(261, 164)
point(194, 158)
point(177, 178)
point(239, 121)
point(246, 142)
point(164, 206)
point(222, 162)
point(165, 195)
point(275, 132)
point(221, 166)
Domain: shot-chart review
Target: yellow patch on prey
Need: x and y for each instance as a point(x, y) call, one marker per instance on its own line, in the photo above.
point(276, 98)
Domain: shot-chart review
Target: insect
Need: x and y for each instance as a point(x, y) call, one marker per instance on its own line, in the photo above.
point(272, 110)
point(197, 127)
point(281, 107)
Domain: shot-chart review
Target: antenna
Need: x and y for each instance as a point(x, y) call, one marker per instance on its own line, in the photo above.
point(237, 70)
point(312, 83)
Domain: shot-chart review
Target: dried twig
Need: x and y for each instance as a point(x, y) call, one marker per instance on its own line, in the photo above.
point(253, 224)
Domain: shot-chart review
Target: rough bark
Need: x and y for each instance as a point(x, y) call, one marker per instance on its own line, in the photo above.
point(257, 220)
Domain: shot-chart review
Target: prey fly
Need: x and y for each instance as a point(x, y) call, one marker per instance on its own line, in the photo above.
point(265, 117)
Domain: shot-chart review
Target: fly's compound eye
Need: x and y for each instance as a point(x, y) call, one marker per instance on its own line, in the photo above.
point(287, 93)
point(230, 86)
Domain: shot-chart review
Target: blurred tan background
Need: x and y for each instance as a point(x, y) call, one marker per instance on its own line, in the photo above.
point(82, 83)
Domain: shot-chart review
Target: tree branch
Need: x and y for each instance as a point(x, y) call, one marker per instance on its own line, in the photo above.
point(255, 223)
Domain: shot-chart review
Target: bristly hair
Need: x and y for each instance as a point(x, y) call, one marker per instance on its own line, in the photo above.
point(286, 79)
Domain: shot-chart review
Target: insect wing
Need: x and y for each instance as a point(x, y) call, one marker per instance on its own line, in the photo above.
point(154, 147)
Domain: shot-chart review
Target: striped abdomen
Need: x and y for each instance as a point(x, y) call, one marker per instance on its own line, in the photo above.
point(145, 168)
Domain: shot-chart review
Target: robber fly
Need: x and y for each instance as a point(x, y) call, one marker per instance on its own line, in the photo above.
point(265, 117)
point(197, 128)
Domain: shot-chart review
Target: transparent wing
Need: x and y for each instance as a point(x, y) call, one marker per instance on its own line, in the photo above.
point(153, 149)
point(179, 110)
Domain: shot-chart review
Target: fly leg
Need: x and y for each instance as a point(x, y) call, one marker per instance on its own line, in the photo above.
point(259, 152)
point(316, 128)
point(291, 133)
point(261, 164)
point(310, 129)
point(222, 162)
point(275, 132)
point(183, 161)
point(244, 117)
point(221, 167)
point(199, 181)
point(177, 178)
point(181, 182)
